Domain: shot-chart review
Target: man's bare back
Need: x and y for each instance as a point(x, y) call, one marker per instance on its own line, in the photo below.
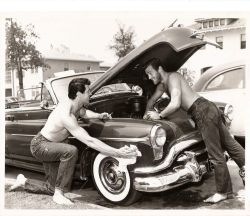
point(188, 96)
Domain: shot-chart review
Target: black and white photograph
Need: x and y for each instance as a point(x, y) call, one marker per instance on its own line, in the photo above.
point(124, 109)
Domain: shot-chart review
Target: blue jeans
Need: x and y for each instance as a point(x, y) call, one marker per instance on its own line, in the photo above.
point(59, 160)
point(217, 140)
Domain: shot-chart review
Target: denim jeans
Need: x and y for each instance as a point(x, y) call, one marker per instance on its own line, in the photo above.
point(217, 140)
point(59, 160)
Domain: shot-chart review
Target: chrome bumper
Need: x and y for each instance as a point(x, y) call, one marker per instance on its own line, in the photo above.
point(190, 172)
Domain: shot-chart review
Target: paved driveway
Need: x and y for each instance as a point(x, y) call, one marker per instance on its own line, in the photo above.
point(190, 197)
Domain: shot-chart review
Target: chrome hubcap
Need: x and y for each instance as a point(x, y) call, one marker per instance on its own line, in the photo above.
point(112, 179)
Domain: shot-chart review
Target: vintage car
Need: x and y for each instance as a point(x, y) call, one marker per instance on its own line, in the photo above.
point(172, 150)
point(11, 102)
point(226, 83)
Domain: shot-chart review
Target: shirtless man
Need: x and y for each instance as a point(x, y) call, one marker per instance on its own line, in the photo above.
point(207, 118)
point(51, 147)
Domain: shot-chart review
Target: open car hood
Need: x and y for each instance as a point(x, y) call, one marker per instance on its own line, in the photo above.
point(172, 46)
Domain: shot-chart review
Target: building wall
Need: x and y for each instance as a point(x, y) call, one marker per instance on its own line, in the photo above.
point(32, 78)
point(211, 56)
point(63, 65)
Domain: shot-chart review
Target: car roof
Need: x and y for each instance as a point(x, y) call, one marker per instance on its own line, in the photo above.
point(198, 86)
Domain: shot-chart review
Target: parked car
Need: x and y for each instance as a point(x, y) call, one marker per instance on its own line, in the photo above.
point(226, 83)
point(11, 102)
point(172, 150)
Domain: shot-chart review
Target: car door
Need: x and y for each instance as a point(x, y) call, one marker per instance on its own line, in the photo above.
point(23, 123)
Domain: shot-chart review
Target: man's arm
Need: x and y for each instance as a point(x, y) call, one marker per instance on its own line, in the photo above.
point(70, 123)
point(84, 113)
point(90, 114)
point(157, 94)
point(175, 96)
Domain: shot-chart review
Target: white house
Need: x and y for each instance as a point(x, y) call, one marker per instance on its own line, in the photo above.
point(230, 33)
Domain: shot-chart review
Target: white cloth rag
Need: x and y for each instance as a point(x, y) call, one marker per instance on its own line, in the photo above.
point(123, 162)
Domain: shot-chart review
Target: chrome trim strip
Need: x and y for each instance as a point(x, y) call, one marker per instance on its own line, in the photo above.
point(24, 135)
point(174, 151)
point(23, 108)
point(133, 140)
point(189, 135)
point(143, 139)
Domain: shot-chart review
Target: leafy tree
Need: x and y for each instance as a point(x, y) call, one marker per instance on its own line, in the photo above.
point(21, 52)
point(189, 75)
point(123, 41)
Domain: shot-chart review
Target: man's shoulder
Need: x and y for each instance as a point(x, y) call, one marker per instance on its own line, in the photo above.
point(174, 76)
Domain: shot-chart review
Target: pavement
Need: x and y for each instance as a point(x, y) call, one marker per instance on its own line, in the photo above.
point(186, 197)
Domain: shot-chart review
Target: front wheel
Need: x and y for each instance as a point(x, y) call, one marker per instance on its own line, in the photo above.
point(114, 185)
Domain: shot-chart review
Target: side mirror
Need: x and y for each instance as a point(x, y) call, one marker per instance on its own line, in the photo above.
point(44, 104)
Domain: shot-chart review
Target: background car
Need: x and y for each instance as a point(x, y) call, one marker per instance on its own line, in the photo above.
point(11, 102)
point(172, 150)
point(226, 83)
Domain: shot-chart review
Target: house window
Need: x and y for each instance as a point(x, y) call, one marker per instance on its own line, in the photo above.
point(219, 40)
point(222, 22)
point(204, 24)
point(211, 23)
point(88, 68)
point(66, 66)
point(243, 41)
point(216, 23)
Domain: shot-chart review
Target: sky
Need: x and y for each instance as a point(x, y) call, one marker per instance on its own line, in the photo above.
point(88, 28)
point(90, 33)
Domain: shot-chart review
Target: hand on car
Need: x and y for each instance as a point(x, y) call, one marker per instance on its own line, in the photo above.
point(105, 115)
point(152, 115)
point(146, 116)
point(128, 152)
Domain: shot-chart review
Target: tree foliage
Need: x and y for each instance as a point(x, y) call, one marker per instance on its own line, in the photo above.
point(123, 41)
point(21, 52)
point(189, 75)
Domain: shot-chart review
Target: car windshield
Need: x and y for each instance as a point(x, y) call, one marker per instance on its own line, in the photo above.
point(60, 86)
point(233, 79)
point(113, 88)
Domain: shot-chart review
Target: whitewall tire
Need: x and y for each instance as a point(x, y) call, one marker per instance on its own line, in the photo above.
point(113, 184)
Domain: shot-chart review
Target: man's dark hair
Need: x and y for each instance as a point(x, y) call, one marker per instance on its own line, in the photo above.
point(75, 85)
point(155, 63)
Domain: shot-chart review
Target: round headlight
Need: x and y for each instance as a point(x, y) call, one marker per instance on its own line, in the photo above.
point(158, 136)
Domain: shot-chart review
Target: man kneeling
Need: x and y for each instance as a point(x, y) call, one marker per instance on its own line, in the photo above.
point(51, 146)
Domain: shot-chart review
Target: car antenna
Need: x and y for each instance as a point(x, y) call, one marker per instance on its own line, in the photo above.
point(171, 25)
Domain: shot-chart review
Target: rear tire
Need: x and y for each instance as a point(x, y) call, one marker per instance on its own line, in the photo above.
point(114, 185)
